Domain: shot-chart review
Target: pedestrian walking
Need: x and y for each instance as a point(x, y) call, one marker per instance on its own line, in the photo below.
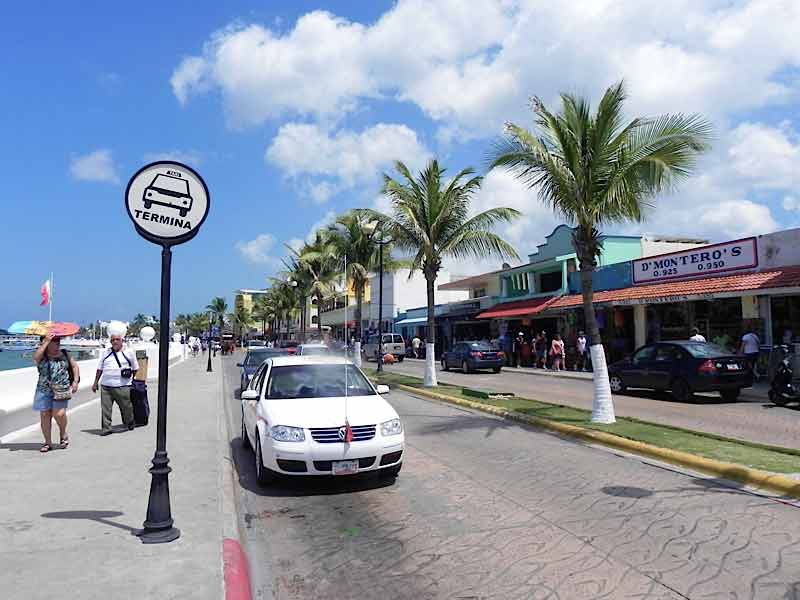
point(557, 352)
point(114, 377)
point(750, 347)
point(516, 349)
point(581, 348)
point(540, 345)
point(696, 337)
point(59, 376)
point(415, 344)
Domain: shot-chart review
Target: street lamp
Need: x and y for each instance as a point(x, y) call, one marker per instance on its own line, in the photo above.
point(210, 320)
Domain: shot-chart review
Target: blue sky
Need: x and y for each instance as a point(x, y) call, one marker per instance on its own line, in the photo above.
point(291, 113)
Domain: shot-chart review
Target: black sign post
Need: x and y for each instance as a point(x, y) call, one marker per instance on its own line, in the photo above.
point(167, 202)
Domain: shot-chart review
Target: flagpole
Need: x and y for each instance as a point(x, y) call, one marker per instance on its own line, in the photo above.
point(50, 304)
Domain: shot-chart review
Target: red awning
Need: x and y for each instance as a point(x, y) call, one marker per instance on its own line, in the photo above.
point(787, 277)
point(518, 308)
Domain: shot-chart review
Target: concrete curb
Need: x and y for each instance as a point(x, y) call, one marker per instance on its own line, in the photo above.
point(772, 482)
point(235, 567)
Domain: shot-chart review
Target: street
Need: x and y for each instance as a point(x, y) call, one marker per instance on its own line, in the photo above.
point(747, 419)
point(488, 509)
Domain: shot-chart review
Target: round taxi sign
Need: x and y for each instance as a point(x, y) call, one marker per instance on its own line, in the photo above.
point(167, 202)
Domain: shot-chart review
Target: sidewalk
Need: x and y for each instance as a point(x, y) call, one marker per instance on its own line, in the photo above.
point(67, 516)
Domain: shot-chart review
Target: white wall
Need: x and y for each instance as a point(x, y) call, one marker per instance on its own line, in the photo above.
point(779, 249)
point(654, 248)
point(17, 386)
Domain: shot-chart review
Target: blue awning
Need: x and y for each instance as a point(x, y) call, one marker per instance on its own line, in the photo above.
point(414, 321)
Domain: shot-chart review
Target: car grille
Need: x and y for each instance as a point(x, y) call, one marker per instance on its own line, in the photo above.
point(330, 435)
point(326, 465)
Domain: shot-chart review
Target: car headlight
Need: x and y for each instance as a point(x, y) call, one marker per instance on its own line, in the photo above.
point(393, 427)
point(284, 433)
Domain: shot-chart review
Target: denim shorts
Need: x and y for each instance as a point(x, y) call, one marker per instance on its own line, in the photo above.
point(43, 400)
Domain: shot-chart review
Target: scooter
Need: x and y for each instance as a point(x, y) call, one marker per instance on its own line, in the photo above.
point(782, 388)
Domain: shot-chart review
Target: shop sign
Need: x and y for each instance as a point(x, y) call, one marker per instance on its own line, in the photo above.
point(663, 299)
point(696, 262)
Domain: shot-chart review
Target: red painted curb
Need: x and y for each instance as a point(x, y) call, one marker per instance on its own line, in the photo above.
point(235, 571)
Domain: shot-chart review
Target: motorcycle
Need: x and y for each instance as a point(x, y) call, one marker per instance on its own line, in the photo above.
point(782, 387)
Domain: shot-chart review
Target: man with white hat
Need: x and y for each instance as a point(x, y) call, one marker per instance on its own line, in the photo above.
point(114, 376)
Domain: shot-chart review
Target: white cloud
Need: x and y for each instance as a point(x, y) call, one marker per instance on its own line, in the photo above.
point(767, 155)
point(296, 243)
point(188, 157)
point(472, 65)
point(259, 250)
point(791, 203)
point(738, 218)
point(326, 220)
point(95, 166)
point(345, 157)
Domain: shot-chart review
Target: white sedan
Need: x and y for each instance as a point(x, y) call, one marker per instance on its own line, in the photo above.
point(319, 415)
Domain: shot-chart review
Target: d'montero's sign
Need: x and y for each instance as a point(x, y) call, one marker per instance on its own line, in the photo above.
point(167, 202)
point(705, 260)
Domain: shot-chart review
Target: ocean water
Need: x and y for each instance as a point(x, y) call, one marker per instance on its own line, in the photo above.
point(18, 360)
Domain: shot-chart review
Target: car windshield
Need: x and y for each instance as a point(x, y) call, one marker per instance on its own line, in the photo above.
point(316, 381)
point(172, 184)
point(706, 350)
point(314, 350)
point(480, 347)
point(253, 359)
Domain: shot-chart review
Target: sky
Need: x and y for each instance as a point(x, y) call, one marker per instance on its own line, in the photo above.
point(291, 112)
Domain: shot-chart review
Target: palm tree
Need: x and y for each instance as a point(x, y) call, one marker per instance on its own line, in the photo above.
point(430, 218)
point(263, 312)
point(138, 322)
point(319, 259)
point(596, 170)
point(242, 318)
point(219, 308)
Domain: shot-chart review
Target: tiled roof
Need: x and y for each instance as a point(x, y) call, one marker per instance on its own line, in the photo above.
point(518, 308)
point(780, 278)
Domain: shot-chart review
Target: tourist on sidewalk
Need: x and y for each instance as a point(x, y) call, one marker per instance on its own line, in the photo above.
point(59, 376)
point(750, 347)
point(540, 346)
point(114, 376)
point(582, 350)
point(557, 352)
point(415, 344)
point(516, 349)
point(696, 337)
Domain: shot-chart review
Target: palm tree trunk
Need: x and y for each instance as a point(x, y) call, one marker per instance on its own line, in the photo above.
point(430, 339)
point(319, 316)
point(602, 402)
point(359, 305)
point(303, 320)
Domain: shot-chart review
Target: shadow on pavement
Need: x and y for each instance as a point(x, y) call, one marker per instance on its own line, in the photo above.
point(300, 486)
point(29, 446)
point(114, 429)
point(624, 491)
point(463, 423)
point(100, 516)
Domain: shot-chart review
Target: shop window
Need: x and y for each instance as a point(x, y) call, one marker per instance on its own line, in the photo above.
point(550, 282)
point(478, 292)
point(314, 319)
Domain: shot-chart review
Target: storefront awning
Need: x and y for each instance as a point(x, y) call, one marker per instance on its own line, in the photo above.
point(694, 289)
point(414, 321)
point(518, 308)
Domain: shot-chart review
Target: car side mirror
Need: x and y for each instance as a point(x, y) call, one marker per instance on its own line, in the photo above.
point(382, 389)
point(239, 364)
point(250, 395)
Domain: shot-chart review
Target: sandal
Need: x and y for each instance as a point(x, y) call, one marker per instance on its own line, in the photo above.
point(65, 443)
point(45, 448)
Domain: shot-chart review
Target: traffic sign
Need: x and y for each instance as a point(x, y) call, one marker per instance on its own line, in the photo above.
point(167, 202)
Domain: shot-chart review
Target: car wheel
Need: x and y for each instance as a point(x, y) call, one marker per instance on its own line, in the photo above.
point(444, 365)
point(392, 471)
point(681, 390)
point(245, 439)
point(263, 475)
point(183, 212)
point(617, 386)
point(464, 367)
point(148, 205)
point(497, 369)
point(730, 395)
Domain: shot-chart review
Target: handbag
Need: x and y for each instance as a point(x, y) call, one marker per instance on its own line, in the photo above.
point(61, 391)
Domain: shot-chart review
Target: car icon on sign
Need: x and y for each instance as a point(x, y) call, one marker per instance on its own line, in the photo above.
point(167, 190)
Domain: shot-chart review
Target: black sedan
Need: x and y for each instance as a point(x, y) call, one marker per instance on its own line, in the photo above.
point(253, 359)
point(683, 368)
point(469, 356)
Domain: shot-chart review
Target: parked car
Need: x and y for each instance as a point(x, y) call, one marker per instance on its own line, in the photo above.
point(470, 356)
point(289, 345)
point(683, 368)
point(253, 359)
point(319, 415)
point(392, 344)
point(256, 344)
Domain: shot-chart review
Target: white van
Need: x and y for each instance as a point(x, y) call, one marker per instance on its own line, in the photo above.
point(393, 344)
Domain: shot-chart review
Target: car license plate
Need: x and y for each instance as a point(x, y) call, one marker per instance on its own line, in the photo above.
point(345, 467)
point(733, 367)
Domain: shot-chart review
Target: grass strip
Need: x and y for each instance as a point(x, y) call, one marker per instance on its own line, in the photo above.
point(757, 456)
